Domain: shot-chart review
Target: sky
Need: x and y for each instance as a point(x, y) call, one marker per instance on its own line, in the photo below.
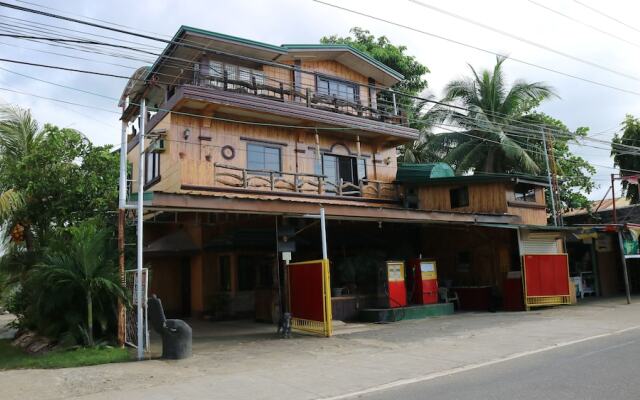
point(305, 21)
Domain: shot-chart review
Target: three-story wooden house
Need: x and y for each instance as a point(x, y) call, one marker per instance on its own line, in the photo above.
point(242, 136)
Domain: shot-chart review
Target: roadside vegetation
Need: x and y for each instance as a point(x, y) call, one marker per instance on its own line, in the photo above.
point(14, 358)
point(58, 272)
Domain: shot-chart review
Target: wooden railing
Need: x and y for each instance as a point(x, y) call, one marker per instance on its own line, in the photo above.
point(299, 183)
point(365, 101)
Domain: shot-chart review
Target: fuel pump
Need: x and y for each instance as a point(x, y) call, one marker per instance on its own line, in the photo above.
point(392, 290)
point(425, 281)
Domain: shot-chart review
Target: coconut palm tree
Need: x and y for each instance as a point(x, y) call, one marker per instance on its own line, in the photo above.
point(20, 137)
point(489, 111)
point(86, 265)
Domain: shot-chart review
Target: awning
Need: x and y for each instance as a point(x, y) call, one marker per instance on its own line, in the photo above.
point(173, 243)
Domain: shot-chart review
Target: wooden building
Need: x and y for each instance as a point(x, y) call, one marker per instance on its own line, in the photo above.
point(243, 136)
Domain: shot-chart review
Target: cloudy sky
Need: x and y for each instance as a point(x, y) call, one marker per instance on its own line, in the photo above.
point(615, 47)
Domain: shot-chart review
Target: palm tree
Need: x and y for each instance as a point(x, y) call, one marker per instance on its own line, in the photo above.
point(20, 137)
point(480, 139)
point(85, 265)
point(20, 134)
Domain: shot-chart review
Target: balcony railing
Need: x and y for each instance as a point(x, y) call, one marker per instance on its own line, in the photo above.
point(299, 183)
point(313, 90)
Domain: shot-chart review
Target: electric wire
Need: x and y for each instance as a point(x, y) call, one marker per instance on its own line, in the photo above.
point(593, 27)
point(548, 69)
point(428, 100)
point(525, 40)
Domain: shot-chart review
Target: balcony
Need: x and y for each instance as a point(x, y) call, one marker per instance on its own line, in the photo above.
point(216, 177)
point(292, 97)
point(313, 90)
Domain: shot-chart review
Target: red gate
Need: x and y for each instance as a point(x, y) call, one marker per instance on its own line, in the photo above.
point(310, 297)
point(546, 279)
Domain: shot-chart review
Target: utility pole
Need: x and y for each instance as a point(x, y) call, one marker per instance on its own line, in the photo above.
point(551, 195)
point(554, 180)
point(140, 222)
point(122, 199)
point(613, 199)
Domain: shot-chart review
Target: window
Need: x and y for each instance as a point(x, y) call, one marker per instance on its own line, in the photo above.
point(235, 72)
point(263, 158)
point(524, 192)
point(342, 90)
point(459, 197)
point(152, 167)
point(349, 169)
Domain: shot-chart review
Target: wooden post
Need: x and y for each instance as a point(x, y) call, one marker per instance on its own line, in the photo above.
point(254, 85)
point(271, 181)
point(281, 91)
point(308, 97)
point(245, 182)
point(320, 185)
point(225, 77)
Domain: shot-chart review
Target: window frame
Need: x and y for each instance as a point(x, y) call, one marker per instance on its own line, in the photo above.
point(460, 202)
point(338, 81)
point(265, 146)
point(526, 196)
point(155, 171)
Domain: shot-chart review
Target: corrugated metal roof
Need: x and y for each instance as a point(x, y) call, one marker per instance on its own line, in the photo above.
point(421, 173)
point(607, 205)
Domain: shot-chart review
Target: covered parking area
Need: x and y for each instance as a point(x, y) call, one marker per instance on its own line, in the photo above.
point(217, 259)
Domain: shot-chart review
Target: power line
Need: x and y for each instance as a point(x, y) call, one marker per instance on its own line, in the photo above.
point(593, 27)
point(415, 97)
point(595, 10)
point(635, 93)
point(474, 126)
point(525, 40)
point(253, 122)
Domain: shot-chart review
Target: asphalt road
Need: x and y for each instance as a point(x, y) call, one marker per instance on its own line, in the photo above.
point(606, 368)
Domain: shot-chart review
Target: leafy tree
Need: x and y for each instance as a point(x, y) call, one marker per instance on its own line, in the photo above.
point(495, 113)
point(627, 161)
point(51, 180)
point(62, 177)
point(574, 173)
point(389, 54)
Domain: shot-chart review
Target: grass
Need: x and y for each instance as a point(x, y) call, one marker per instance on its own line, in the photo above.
point(14, 358)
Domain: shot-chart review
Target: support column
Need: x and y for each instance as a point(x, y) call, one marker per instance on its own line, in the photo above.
point(197, 270)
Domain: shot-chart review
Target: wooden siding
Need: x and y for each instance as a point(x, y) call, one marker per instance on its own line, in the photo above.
point(528, 215)
point(493, 252)
point(483, 197)
point(192, 160)
point(341, 71)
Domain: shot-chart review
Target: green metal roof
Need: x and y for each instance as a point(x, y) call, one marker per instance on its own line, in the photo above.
point(283, 49)
point(230, 38)
point(349, 48)
point(422, 173)
point(442, 173)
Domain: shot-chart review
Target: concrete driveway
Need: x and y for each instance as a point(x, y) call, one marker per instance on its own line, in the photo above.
point(255, 365)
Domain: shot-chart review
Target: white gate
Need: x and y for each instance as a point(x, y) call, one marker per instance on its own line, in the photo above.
point(131, 319)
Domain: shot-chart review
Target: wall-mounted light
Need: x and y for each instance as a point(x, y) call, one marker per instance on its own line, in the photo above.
point(186, 134)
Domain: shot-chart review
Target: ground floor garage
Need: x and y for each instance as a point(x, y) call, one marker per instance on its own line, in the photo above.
point(218, 266)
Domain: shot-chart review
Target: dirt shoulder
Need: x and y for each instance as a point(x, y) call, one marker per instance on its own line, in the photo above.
point(259, 366)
